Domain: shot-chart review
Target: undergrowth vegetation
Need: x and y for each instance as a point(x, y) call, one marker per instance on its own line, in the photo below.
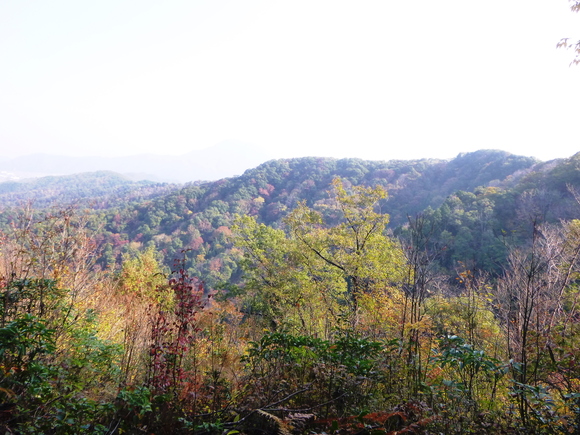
point(336, 328)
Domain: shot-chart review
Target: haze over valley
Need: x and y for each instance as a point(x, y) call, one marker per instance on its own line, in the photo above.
point(225, 159)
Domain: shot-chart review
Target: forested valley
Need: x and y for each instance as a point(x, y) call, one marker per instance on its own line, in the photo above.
point(306, 296)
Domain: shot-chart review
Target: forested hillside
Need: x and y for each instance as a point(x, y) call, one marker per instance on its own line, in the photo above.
point(198, 217)
point(305, 296)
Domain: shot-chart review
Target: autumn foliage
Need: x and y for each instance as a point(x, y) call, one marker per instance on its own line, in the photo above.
point(334, 326)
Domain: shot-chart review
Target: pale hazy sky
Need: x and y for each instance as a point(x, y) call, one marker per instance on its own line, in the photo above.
point(385, 79)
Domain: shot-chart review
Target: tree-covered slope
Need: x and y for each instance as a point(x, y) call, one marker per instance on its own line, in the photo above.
point(472, 203)
point(198, 217)
point(477, 227)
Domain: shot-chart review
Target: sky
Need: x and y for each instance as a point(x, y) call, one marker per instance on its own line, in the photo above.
point(374, 79)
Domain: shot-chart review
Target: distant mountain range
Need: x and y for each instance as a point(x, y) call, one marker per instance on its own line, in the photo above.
point(225, 159)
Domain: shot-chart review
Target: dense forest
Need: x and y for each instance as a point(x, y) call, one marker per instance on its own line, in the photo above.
point(306, 296)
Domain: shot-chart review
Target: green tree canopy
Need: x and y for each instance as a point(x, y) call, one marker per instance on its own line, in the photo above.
point(328, 258)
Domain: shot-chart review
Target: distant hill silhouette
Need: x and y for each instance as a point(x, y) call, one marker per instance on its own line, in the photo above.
point(222, 160)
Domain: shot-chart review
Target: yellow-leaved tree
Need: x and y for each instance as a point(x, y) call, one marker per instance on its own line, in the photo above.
point(354, 251)
point(317, 274)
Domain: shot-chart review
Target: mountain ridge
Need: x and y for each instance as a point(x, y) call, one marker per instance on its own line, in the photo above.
point(471, 199)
